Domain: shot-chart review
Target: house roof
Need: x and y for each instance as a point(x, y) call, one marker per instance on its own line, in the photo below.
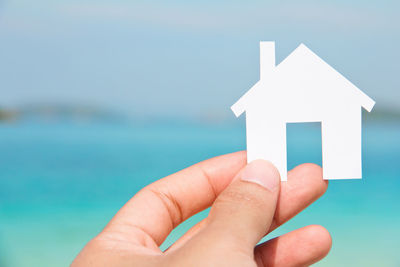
point(303, 51)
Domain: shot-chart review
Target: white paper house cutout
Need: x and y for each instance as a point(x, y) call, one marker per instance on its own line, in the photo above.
point(304, 88)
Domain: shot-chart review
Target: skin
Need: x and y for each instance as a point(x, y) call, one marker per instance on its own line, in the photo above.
point(242, 212)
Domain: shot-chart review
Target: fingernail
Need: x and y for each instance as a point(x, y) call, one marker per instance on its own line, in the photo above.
point(263, 173)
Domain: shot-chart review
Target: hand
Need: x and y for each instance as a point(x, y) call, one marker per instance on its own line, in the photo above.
point(247, 202)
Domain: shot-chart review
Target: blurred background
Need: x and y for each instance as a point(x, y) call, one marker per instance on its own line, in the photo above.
point(100, 98)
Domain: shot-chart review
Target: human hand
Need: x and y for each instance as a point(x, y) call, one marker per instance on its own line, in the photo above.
point(247, 202)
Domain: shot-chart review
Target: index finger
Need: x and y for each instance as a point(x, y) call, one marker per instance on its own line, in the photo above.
point(158, 208)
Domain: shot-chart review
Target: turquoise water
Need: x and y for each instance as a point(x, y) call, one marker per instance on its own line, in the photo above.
point(61, 183)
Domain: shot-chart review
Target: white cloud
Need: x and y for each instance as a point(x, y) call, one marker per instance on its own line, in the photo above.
point(216, 18)
point(208, 17)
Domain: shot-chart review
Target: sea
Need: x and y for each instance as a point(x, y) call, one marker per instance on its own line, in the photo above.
point(61, 182)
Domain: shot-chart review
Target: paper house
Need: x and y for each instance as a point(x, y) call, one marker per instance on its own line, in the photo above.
point(304, 88)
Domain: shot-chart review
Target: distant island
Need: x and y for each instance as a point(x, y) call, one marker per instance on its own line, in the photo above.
point(76, 113)
point(57, 113)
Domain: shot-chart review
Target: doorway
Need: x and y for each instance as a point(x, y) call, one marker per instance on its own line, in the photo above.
point(304, 143)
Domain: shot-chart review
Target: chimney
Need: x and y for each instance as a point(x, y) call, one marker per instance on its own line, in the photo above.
point(267, 59)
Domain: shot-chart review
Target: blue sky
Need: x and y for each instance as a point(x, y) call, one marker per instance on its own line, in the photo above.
point(177, 58)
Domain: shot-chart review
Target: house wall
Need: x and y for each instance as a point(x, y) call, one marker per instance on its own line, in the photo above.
point(266, 139)
point(341, 145)
point(341, 140)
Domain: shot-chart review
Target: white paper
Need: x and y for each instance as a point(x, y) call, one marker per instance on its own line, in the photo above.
point(304, 88)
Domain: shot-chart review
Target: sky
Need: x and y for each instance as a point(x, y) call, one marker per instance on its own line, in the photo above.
point(181, 58)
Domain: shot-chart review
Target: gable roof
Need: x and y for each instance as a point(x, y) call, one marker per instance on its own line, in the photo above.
point(304, 52)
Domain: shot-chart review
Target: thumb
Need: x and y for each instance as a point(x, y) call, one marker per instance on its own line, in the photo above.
point(243, 212)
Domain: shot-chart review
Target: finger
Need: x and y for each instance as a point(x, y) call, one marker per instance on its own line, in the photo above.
point(301, 247)
point(187, 236)
point(243, 212)
point(304, 186)
point(158, 208)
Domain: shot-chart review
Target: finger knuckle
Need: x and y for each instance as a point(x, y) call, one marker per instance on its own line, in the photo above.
point(236, 197)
